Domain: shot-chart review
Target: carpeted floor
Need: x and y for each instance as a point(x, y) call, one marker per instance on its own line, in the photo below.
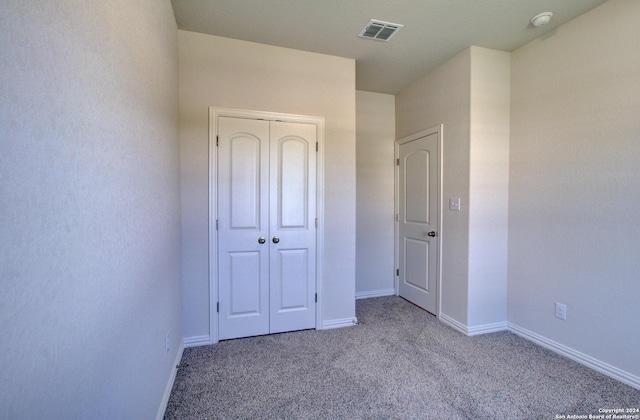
point(399, 362)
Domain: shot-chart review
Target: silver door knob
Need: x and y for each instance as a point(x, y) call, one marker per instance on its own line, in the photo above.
point(261, 240)
point(275, 240)
point(432, 234)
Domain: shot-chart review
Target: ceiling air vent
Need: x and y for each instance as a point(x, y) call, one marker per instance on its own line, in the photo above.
point(382, 31)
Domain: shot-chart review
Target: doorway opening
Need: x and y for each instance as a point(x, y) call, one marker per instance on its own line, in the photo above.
point(419, 218)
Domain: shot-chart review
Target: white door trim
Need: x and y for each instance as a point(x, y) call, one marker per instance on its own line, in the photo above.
point(214, 113)
point(438, 129)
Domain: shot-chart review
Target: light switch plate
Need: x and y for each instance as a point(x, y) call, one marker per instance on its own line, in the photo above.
point(454, 204)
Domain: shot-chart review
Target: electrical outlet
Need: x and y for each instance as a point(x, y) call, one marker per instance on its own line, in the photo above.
point(561, 311)
point(166, 344)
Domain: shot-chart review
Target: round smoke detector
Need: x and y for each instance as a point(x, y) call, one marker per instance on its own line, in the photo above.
point(541, 19)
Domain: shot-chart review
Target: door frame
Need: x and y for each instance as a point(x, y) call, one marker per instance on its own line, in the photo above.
point(438, 129)
point(214, 114)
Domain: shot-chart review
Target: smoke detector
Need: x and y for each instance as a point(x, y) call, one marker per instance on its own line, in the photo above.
point(541, 19)
point(380, 30)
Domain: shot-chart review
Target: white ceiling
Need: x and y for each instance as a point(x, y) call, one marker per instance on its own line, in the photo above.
point(434, 30)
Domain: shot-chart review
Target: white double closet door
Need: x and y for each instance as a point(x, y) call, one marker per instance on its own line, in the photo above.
point(266, 226)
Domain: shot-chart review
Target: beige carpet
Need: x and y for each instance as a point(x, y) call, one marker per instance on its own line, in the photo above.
point(398, 363)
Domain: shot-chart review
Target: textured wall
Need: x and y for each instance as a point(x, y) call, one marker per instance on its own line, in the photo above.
point(227, 73)
point(375, 135)
point(89, 210)
point(574, 195)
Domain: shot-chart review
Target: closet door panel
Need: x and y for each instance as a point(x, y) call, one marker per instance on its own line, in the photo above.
point(292, 223)
point(243, 218)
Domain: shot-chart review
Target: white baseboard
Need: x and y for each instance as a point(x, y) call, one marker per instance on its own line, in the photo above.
point(375, 293)
point(339, 323)
point(456, 325)
point(475, 330)
point(169, 387)
point(588, 361)
point(583, 359)
point(486, 328)
point(205, 340)
point(199, 340)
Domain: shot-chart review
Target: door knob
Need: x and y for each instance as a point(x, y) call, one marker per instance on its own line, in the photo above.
point(261, 240)
point(275, 239)
point(433, 234)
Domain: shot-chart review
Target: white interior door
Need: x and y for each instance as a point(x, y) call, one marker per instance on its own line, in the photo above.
point(266, 226)
point(292, 226)
point(243, 227)
point(418, 220)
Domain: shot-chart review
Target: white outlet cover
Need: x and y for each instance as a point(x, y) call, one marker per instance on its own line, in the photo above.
point(454, 204)
point(561, 311)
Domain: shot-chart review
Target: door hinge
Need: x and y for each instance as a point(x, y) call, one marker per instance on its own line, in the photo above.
point(216, 224)
point(398, 162)
point(218, 307)
point(397, 271)
point(317, 146)
point(217, 139)
point(316, 223)
point(397, 217)
point(316, 298)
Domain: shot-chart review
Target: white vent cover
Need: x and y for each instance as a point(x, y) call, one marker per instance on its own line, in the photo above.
point(382, 31)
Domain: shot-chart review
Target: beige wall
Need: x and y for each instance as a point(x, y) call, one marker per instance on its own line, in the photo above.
point(89, 208)
point(375, 135)
point(469, 95)
point(227, 73)
point(443, 97)
point(488, 188)
point(574, 195)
